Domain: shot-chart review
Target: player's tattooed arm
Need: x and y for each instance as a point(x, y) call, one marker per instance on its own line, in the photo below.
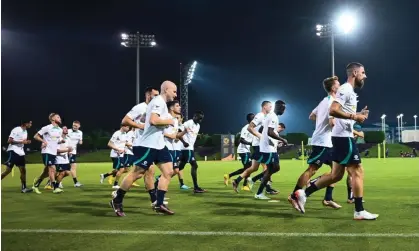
point(252, 129)
point(170, 136)
point(272, 134)
point(336, 111)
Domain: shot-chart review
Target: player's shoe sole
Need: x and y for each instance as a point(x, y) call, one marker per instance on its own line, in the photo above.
point(117, 209)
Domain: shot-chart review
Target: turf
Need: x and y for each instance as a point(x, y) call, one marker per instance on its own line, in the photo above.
point(390, 190)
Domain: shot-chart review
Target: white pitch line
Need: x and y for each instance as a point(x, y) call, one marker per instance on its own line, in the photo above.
point(198, 233)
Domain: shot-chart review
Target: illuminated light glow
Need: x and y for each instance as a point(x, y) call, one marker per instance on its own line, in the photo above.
point(124, 44)
point(346, 23)
point(384, 116)
point(318, 34)
point(124, 36)
point(153, 43)
point(319, 27)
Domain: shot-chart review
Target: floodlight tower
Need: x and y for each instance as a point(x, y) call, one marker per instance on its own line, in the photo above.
point(137, 40)
point(344, 25)
point(186, 76)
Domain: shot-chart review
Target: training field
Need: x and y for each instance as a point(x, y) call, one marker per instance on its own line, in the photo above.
point(81, 219)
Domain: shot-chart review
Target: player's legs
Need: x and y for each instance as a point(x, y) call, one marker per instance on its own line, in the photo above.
point(120, 171)
point(349, 189)
point(6, 172)
point(272, 163)
point(22, 170)
point(165, 163)
point(9, 165)
point(73, 171)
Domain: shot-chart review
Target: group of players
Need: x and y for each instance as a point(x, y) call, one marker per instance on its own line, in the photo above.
point(59, 149)
point(333, 144)
point(152, 133)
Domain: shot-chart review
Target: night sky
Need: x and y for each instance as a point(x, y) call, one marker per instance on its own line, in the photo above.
point(66, 58)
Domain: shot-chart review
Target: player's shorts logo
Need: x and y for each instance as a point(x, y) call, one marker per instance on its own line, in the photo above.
point(49, 162)
point(145, 163)
point(356, 157)
point(318, 162)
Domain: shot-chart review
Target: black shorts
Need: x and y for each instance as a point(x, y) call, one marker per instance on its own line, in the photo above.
point(128, 160)
point(14, 159)
point(178, 154)
point(174, 158)
point(269, 158)
point(320, 155)
point(345, 151)
point(73, 158)
point(256, 155)
point(117, 163)
point(187, 156)
point(62, 167)
point(144, 157)
point(48, 159)
point(245, 158)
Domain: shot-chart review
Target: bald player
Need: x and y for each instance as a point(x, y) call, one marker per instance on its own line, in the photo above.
point(151, 149)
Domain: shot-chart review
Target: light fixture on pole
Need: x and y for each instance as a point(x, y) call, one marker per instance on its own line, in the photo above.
point(344, 25)
point(187, 74)
point(383, 123)
point(398, 126)
point(137, 40)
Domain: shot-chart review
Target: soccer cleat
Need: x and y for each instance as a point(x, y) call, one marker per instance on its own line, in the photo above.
point(117, 208)
point(36, 190)
point(135, 185)
point(293, 203)
point(246, 188)
point(199, 190)
point(235, 186)
point(301, 199)
point(102, 177)
point(226, 178)
point(261, 197)
point(48, 187)
point(364, 215)
point(78, 184)
point(26, 190)
point(111, 180)
point(250, 183)
point(184, 187)
point(61, 185)
point(57, 190)
point(162, 209)
point(115, 187)
point(271, 191)
point(331, 204)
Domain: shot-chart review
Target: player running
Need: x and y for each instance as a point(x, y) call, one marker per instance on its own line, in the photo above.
point(62, 160)
point(18, 138)
point(177, 146)
point(268, 149)
point(152, 149)
point(321, 142)
point(192, 127)
point(75, 138)
point(50, 136)
point(345, 152)
point(117, 144)
point(244, 152)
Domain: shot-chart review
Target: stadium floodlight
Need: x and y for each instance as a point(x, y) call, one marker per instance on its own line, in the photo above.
point(137, 40)
point(383, 123)
point(187, 74)
point(398, 125)
point(344, 25)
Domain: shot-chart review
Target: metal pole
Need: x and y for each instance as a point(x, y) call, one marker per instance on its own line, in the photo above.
point(332, 38)
point(415, 129)
point(138, 69)
point(401, 128)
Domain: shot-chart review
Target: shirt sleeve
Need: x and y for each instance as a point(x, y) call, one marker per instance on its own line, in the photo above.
point(114, 137)
point(186, 124)
point(157, 107)
point(315, 110)
point(81, 136)
point(13, 134)
point(243, 132)
point(135, 112)
point(329, 105)
point(342, 96)
point(258, 119)
point(272, 121)
point(43, 130)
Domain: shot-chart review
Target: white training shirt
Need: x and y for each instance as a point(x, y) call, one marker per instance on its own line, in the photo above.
point(191, 135)
point(74, 137)
point(52, 135)
point(348, 100)
point(171, 130)
point(118, 139)
point(258, 121)
point(322, 135)
point(138, 115)
point(246, 135)
point(153, 135)
point(62, 158)
point(177, 144)
point(18, 134)
point(266, 145)
point(130, 139)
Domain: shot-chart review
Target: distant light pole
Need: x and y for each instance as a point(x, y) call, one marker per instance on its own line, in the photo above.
point(137, 40)
point(415, 117)
point(383, 123)
point(187, 74)
point(344, 25)
point(398, 126)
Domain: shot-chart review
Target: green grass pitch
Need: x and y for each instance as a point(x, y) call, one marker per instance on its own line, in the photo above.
point(217, 220)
